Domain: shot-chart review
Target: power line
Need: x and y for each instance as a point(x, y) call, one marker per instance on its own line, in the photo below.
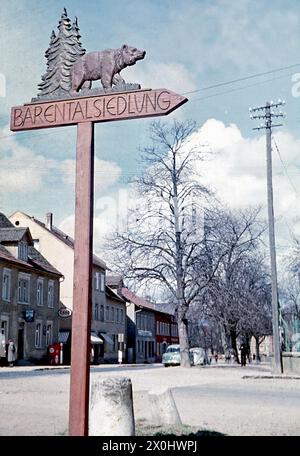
point(220, 84)
point(285, 168)
point(240, 88)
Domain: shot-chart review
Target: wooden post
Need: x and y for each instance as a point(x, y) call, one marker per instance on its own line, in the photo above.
point(82, 296)
point(83, 112)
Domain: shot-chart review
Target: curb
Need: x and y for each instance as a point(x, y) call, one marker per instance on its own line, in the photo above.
point(281, 377)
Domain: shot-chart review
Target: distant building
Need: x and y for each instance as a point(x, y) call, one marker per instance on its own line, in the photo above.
point(108, 310)
point(166, 332)
point(141, 336)
point(149, 328)
point(29, 293)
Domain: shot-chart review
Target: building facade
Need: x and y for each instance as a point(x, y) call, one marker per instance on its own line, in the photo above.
point(58, 248)
point(29, 294)
point(149, 330)
point(141, 336)
point(166, 332)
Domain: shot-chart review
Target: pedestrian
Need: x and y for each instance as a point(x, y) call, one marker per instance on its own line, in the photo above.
point(11, 353)
point(227, 357)
point(244, 352)
point(2, 350)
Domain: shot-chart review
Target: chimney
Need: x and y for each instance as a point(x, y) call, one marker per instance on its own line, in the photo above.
point(49, 219)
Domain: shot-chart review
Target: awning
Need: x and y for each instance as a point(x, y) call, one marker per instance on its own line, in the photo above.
point(107, 339)
point(95, 339)
point(63, 336)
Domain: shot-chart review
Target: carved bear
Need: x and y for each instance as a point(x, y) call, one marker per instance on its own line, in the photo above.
point(104, 65)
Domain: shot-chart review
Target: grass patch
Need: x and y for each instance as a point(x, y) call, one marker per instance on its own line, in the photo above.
point(143, 428)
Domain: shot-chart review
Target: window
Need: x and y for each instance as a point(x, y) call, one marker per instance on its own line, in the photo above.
point(112, 314)
point(97, 280)
point(23, 288)
point(96, 316)
point(102, 282)
point(122, 315)
point(4, 327)
point(107, 313)
point(6, 284)
point(39, 292)
point(49, 333)
point(117, 315)
point(50, 296)
point(138, 321)
point(23, 251)
point(38, 335)
point(102, 312)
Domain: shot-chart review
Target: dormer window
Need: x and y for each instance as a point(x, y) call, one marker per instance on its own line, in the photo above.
point(23, 251)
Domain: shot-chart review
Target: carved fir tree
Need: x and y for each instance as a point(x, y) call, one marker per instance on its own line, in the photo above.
point(76, 38)
point(64, 49)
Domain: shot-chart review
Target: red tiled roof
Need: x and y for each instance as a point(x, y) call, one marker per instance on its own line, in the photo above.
point(33, 263)
point(141, 302)
point(112, 294)
point(45, 267)
point(132, 297)
point(6, 255)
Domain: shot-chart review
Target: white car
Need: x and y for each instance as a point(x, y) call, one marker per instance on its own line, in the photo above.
point(200, 357)
point(172, 356)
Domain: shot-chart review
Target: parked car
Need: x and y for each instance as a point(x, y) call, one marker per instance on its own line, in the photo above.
point(200, 357)
point(172, 356)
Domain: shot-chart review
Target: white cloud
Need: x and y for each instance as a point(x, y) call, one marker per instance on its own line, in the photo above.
point(157, 75)
point(237, 171)
point(20, 169)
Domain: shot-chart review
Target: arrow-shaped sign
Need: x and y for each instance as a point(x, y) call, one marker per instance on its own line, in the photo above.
point(100, 108)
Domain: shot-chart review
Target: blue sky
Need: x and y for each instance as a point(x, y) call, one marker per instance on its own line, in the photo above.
point(190, 45)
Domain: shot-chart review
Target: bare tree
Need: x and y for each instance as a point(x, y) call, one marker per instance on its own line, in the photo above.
point(231, 239)
point(163, 243)
point(256, 319)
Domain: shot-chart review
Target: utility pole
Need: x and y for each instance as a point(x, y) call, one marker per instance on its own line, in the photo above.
point(268, 113)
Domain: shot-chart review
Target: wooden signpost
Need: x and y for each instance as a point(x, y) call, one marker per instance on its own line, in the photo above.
point(85, 111)
point(103, 108)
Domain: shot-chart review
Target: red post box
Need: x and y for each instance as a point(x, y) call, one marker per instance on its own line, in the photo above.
point(54, 353)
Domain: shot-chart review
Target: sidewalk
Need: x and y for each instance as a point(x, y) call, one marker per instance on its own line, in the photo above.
point(215, 397)
point(33, 368)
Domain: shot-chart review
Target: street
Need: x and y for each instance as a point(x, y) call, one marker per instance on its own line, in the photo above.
point(34, 400)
